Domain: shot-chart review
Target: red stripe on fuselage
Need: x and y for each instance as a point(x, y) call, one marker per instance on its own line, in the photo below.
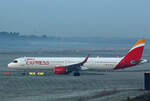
point(133, 55)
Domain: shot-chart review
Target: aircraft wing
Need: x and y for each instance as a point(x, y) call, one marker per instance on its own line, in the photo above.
point(78, 66)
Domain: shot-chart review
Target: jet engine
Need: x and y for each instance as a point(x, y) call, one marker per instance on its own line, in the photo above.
point(60, 70)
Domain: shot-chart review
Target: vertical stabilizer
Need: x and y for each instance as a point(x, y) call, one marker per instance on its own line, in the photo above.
point(134, 55)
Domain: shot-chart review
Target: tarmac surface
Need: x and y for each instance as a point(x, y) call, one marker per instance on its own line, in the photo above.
point(89, 86)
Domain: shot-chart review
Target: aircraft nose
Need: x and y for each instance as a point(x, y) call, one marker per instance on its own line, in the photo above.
point(10, 65)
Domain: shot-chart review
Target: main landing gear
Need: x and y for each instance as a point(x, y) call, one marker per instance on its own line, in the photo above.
point(76, 73)
point(24, 73)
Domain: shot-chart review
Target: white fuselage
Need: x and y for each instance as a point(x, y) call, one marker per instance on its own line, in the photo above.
point(132, 58)
point(51, 63)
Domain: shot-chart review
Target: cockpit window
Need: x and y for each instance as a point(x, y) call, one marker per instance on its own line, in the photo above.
point(15, 61)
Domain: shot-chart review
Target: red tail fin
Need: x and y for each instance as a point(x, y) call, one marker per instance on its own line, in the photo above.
point(134, 55)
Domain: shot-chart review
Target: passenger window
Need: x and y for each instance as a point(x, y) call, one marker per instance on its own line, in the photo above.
point(15, 61)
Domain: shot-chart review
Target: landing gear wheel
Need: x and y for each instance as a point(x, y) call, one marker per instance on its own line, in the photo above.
point(23, 73)
point(76, 74)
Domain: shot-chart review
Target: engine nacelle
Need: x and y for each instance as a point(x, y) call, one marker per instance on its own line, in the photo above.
point(60, 70)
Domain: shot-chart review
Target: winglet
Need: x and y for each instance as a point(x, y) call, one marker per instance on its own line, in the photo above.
point(86, 59)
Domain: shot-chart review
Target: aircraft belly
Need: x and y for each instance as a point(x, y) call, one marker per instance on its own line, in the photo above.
point(100, 66)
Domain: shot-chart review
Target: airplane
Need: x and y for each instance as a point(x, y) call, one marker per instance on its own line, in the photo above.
point(66, 65)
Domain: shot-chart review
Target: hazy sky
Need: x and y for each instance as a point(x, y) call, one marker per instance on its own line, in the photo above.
point(122, 18)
